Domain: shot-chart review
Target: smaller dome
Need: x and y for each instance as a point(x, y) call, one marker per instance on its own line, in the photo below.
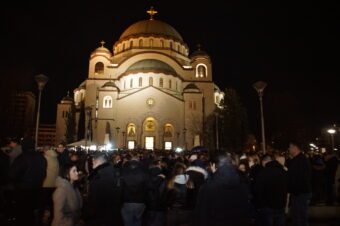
point(102, 49)
point(83, 84)
point(151, 65)
point(67, 99)
point(110, 84)
point(199, 52)
point(191, 86)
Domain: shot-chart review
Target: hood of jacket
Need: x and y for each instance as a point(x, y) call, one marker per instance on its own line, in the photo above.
point(274, 164)
point(198, 170)
point(133, 165)
point(155, 171)
point(98, 169)
point(51, 153)
point(61, 182)
point(227, 176)
point(181, 179)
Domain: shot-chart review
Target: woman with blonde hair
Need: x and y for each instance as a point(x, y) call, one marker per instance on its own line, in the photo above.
point(179, 197)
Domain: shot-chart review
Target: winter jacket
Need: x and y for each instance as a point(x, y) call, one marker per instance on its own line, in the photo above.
point(270, 187)
point(331, 166)
point(64, 158)
point(155, 190)
point(181, 196)
point(67, 204)
point(299, 175)
point(198, 176)
point(52, 170)
point(104, 195)
point(223, 200)
point(28, 170)
point(135, 181)
point(16, 151)
point(4, 168)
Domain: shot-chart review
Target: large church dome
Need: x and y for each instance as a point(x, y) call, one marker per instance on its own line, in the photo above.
point(151, 65)
point(151, 27)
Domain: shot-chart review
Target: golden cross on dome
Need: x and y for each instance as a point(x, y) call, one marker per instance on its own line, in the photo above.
point(151, 12)
point(102, 42)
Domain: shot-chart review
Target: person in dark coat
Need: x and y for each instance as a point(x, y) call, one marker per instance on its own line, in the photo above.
point(223, 200)
point(155, 205)
point(134, 181)
point(4, 168)
point(299, 184)
point(63, 155)
point(331, 162)
point(197, 174)
point(179, 196)
point(270, 193)
point(104, 192)
point(27, 174)
point(318, 178)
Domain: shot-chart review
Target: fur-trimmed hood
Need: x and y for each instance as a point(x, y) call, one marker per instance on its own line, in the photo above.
point(198, 170)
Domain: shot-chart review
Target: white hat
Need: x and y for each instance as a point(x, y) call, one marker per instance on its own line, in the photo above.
point(193, 157)
point(243, 157)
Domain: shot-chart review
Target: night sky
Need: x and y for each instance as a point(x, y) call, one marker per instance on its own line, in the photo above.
point(294, 48)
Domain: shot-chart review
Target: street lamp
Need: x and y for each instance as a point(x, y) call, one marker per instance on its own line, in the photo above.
point(216, 131)
point(184, 137)
point(41, 82)
point(88, 110)
point(123, 139)
point(259, 87)
point(332, 132)
point(117, 129)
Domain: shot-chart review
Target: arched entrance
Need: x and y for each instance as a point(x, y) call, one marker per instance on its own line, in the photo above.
point(150, 133)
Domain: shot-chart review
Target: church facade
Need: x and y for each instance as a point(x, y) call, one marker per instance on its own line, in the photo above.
point(147, 93)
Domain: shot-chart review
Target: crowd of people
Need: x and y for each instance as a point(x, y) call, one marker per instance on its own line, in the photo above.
point(161, 188)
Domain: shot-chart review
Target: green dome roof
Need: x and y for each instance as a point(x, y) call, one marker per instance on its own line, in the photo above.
point(109, 84)
point(149, 27)
point(151, 65)
point(67, 99)
point(191, 86)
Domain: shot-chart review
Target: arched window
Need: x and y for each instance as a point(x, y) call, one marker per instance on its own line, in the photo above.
point(168, 130)
point(123, 46)
point(107, 102)
point(170, 45)
point(131, 130)
point(151, 42)
point(99, 68)
point(131, 44)
point(150, 81)
point(178, 48)
point(170, 84)
point(176, 85)
point(201, 71)
point(161, 82)
point(131, 83)
point(140, 43)
point(140, 82)
point(124, 84)
point(162, 43)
